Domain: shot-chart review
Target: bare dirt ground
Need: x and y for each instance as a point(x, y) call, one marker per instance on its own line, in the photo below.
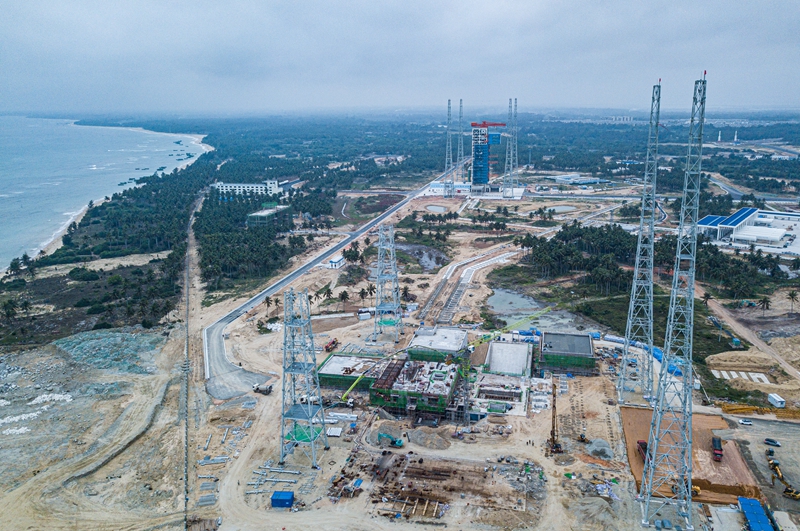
point(720, 482)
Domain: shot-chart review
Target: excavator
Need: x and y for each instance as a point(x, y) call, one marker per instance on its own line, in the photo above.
point(789, 491)
point(394, 442)
point(695, 490)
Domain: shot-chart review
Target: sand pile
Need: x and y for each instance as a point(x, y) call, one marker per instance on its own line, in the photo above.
point(429, 438)
point(592, 513)
point(751, 360)
point(788, 348)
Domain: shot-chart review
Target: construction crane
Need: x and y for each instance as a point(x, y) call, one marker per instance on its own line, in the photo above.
point(555, 446)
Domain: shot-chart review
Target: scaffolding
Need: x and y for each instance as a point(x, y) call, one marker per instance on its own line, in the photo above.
point(388, 317)
point(302, 415)
point(449, 169)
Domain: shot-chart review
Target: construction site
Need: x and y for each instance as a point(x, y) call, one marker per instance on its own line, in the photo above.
point(401, 413)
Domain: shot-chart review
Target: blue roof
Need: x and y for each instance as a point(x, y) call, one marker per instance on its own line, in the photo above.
point(735, 219)
point(710, 221)
point(755, 515)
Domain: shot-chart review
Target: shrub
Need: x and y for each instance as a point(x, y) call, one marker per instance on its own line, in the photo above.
point(82, 274)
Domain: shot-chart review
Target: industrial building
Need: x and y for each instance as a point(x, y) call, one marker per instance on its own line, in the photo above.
point(341, 371)
point(267, 187)
point(567, 353)
point(575, 179)
point(746, 225)
point(337, 262)
point(442, 340)
point(271, 215)
point(512, 359)
point(417, 388)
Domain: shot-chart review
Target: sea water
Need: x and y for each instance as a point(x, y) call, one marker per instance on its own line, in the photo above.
point(51, 169)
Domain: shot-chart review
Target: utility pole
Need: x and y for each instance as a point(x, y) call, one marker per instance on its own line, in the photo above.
point(639, 330)
point(302, 414)
point(667, 476)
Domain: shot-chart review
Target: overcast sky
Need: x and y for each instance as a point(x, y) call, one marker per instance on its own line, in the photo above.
point(264, 55)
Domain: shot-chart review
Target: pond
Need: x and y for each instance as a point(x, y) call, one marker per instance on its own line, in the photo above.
point(515, 308)
point(562, 209)
point(427, 257)
point(438, 209)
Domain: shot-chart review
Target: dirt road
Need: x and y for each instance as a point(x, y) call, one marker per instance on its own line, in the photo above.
point(744, 332)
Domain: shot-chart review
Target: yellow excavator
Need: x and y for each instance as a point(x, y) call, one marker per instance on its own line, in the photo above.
point(788, 491)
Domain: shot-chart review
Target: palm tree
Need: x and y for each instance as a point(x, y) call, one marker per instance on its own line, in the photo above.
point(706, 297)
point(371, 289)
point(25, 305)
point(792, 296)
point(268, 304)
point(328, 294)
point(764, 305)
point(405, 292)
point(363, 295)
point(276, 302)
point(10, 310)
point(344, 297)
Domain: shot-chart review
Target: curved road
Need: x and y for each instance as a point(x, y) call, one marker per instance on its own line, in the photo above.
point(224, 379)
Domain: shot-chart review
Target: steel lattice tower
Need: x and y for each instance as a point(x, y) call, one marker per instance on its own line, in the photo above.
point(387, 297)
point(639, 330)
point(462, 176)
point(510, 173)
point(449, 188)
point(667, 476)
point(302, 415)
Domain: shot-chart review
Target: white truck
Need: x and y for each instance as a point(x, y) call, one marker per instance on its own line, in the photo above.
point(264, 389)
point(776, 400)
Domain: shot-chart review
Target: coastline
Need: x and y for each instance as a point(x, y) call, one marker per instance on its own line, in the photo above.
point(55, 242)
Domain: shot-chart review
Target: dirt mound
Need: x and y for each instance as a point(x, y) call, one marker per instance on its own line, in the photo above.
point(600, 448)
point(788, 348)
point(751, 360)
point(429, 438)
point(592, 513)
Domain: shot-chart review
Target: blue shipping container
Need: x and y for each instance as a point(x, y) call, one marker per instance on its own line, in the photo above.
point(282, 498)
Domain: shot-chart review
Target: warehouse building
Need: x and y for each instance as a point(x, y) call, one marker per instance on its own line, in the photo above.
point(342, 371)
point(272, 214)
point(436, 343)
point(567, 354)
point(746, 225)
point(512, 359)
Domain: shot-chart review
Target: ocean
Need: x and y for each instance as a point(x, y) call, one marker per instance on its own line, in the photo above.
point(51, 169)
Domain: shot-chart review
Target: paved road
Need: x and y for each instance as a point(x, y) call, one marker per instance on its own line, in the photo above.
point(225, 379)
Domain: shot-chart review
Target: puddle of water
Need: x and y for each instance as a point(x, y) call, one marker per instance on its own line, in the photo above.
point(436, 208)
point(428, 258)
point(562, 209)
point(514, 308)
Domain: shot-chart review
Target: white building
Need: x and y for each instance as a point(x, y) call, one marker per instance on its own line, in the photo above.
point(337, 262)
point(747, 225)
point(267, 187)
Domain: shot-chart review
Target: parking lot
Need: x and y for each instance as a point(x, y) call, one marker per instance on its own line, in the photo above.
point(751, 443)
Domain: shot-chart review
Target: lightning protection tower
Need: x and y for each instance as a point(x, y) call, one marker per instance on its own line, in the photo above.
point(462, 176)
point(302, 415)
point(387, 297)
point(639, 330)
point(449, 186)
point(510, 180)
point(667, 476)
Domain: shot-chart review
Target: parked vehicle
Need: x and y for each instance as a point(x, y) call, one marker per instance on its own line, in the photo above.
point(264, 389)
point(771, 442)
point(716, 446)
point(642, 447)
point(745, 422)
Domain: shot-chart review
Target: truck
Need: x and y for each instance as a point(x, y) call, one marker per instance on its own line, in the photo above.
point(264, 388)
point(776, 400)
point(642, 447)
point(331, 345)
point(716, 446)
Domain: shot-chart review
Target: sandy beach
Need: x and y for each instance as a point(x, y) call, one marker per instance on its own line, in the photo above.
point(55, 242)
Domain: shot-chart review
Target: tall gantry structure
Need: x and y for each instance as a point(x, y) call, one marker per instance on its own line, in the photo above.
point(510, 177)
point(460, 159)
point(449, 186)
point(388, 318)
point(639, 330)
point(302, 415)
point(667, 476)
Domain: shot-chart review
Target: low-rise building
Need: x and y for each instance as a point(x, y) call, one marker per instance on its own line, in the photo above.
point(267, 187)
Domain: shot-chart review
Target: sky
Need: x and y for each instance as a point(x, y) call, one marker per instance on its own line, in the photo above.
point(250, 57)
